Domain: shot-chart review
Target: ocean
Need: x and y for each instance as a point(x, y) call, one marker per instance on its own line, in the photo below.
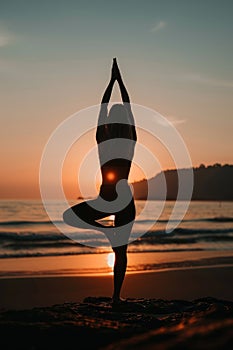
point(205, 231)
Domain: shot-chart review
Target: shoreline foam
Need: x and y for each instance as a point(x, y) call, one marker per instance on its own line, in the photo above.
point(97, 264)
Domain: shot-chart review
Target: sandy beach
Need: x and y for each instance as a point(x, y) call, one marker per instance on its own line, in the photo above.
point(179, 292)
point(188, 284)
point(188, 308)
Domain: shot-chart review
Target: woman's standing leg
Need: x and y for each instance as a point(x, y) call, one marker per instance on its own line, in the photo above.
point(125, 217)
point(119, 270)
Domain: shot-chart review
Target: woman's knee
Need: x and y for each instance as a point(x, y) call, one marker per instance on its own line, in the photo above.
point(120, 251)
point(80, 215)
point(68, 217)
point(72, 215)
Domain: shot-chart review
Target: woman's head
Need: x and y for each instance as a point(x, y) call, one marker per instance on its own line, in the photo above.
point(119, 125)
point(118, 113)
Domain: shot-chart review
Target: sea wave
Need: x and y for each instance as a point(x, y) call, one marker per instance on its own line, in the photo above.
point(87, 251)
point(25, 222)
point(181, 230)
point(57, 222)
point(57, 236)
point(84, 251)
point(28, 236)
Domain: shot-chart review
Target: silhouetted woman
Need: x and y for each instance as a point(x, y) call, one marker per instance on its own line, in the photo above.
point(116, 138)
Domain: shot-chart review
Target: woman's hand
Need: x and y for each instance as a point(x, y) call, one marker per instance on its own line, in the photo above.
point(114, 72)
point(116, 75)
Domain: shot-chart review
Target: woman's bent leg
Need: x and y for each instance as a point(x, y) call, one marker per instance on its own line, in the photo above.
point(83, 215)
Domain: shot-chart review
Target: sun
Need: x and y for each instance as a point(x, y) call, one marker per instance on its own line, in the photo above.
point(110, 259)
point(110, 176)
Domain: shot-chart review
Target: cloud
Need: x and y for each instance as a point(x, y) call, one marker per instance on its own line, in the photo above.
point(160, 25)
point(172, 120)
point(6, 36)
point(177, 121)
point(4, 39)
point(198, 78)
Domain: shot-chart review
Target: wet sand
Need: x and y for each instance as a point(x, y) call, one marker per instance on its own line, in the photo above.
point(187, 284)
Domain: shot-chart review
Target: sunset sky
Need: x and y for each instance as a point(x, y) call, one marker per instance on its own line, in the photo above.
point(176, 57)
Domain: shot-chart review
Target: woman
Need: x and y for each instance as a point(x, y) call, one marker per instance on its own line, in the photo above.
point(116, 138)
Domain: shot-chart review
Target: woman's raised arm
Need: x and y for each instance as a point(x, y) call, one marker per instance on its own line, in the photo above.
point(124, 93)
point(108, 91)
point(102, 120)
point(125, 99)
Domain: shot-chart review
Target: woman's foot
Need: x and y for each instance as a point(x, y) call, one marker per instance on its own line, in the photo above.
point(118, 301)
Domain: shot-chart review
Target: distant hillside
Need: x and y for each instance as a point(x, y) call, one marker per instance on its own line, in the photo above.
point(210, 183)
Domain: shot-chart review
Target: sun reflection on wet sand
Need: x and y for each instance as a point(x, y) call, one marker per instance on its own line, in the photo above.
point(110, 259)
